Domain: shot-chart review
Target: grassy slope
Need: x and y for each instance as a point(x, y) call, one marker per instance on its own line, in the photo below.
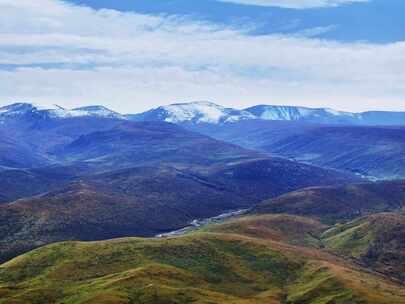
point(377, 241)
point(228, 264)
point(289, 229)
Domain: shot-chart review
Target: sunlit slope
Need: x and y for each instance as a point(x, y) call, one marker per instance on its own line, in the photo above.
point(231, 266)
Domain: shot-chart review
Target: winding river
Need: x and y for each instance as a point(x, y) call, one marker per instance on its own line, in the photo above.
point(198, 223)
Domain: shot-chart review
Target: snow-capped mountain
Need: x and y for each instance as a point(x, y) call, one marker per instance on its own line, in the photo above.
point(205, 113)
point(291, 113)
point(327, 115)
point(97, 111)
point(28, 110)
point(199, 112)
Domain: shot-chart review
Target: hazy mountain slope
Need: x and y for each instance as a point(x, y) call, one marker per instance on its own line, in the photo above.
point(372, 151)
point(376, 241)
point(199, 268)
point(16, 184)
point(16, 154)
point(30, 133)
point(150, 142)
point(368, 150)
point(42, 136)
point(130, 144)
point(340, 203)
point(253, 133)
point(269, 177)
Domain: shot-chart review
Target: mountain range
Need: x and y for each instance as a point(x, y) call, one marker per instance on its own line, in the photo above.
point(205, 112)
point(368, 144)
point(210, 113)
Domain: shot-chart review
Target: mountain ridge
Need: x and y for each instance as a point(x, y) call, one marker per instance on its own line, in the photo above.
point(206, 112)
point(211, 113)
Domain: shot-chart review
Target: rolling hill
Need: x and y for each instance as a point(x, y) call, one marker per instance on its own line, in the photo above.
point(207, 267)
point(339, 203)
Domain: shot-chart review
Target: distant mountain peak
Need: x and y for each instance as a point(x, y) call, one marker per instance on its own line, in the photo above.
point(22, 109)
point(97, 110)
point(298, 113)
point(195, 112)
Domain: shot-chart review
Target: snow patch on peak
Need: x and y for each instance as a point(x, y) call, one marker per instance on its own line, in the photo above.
point(53, 107)
point(278, 112)
point(200, 111)
point(17, 109)
point(99, 111)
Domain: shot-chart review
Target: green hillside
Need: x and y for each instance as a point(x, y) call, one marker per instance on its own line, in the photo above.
point(376, 241)
point(224, 264)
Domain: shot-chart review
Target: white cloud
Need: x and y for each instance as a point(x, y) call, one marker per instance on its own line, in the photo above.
point(295, 4)
point(74, 55)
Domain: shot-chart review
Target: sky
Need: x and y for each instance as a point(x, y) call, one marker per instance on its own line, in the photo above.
point(133, 55)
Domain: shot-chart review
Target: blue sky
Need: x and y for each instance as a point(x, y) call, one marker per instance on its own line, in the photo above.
point(132, 55)
point(377, 21)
